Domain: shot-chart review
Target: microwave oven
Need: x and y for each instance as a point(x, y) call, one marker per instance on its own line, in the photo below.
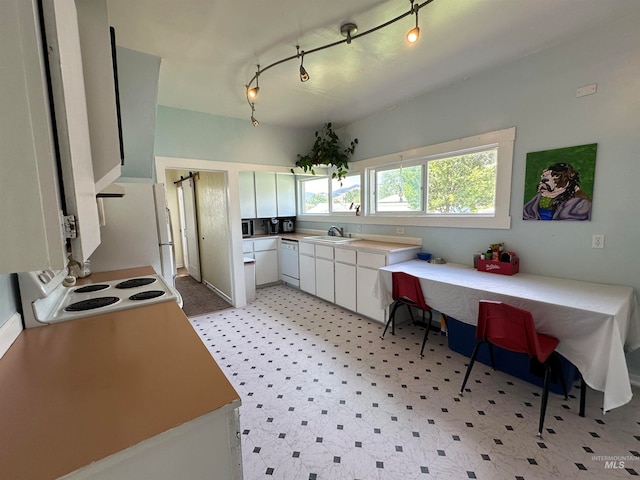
point(247, 228)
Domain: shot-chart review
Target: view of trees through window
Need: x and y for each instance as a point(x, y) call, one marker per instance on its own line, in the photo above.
point(399, 189)
point(450, 185)
point(462, 184)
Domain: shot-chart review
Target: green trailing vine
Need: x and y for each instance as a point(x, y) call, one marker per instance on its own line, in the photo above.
point(327, 151)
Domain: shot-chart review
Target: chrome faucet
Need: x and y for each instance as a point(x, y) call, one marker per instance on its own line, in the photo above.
point(338, 230)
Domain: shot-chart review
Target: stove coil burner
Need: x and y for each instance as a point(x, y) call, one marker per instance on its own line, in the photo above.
point(91, 288)
point(91, 304)
point(135, 282)
point(148, 295)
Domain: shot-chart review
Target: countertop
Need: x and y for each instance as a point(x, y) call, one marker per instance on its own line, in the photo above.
point(358, 244)
point(75, 392)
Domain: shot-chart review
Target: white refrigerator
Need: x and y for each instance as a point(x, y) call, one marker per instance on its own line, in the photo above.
point(137, 232)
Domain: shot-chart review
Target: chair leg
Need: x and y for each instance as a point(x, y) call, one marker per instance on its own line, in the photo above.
point(471, 362)
point(426, 333)
point(392, 320)
point(545, 396)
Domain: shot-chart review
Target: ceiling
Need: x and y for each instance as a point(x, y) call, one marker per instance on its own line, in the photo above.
point(210, 49)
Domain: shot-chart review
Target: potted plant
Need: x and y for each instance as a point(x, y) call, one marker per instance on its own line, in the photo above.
point(327, 151)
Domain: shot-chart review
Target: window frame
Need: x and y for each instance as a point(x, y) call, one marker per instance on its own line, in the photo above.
point(500, 219)
point(327, 176)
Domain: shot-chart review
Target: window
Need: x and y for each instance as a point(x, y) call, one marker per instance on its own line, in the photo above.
point(459, 183)
point(462, 184)
point(316, 191)
point(399, 189)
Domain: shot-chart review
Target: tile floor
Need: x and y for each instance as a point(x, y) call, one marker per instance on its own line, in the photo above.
point(324, 398)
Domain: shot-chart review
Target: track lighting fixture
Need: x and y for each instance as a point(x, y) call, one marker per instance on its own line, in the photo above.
point(252, 93)
point(414, 33)
point(348, 30)
point(253, 119)
point(304, 76)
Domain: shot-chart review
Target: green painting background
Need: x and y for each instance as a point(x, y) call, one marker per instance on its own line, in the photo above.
point(582, 158)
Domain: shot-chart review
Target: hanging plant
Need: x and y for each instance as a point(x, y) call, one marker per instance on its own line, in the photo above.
point(327, 151)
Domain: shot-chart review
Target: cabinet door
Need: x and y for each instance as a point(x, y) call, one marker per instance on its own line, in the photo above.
point(345, 285)
point(72, 123)
point(31, 234)
point(266, 203)
point(324, 279)
point(307, 266)
point(367, 303)
point(266, 267)
point(286, 194)
point(247, 195)
point(99, 80)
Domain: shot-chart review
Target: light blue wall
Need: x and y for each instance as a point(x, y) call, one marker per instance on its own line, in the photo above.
point(138, 79)
point(537, 95)
point(187, 134)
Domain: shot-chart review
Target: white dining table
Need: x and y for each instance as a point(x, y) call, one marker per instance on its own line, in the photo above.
point(595, 323)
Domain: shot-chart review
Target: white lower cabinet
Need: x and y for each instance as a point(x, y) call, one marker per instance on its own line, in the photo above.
point(345, 278)
point(345, 285)
point(325, 279)
point(265, 252)
point(307, 265)
point(324, 273)
point(366, 278)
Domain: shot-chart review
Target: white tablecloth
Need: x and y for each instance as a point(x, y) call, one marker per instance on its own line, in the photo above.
point(595, 323)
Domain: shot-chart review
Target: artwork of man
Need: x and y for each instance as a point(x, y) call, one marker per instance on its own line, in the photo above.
point(559, 196)
point(554, 188)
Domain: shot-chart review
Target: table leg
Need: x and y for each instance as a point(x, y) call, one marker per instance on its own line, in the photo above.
point(583, 395)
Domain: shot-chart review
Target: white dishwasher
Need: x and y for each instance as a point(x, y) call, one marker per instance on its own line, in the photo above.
point(289, 271)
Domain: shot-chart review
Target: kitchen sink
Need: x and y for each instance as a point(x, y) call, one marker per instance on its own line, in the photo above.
point(331, 239)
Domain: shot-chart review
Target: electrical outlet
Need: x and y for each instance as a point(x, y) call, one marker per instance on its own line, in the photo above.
point(400, 231)
point(597, 241)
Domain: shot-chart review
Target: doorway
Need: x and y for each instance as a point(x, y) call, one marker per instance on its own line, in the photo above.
point(189, 224)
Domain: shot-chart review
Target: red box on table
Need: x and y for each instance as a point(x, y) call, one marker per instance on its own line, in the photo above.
point(503, 268)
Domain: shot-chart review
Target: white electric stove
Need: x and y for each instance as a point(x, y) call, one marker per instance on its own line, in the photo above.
point(46, 300)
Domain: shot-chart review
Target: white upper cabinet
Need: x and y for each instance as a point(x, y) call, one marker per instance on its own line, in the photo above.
point(31, 234)
point(267, 195)
point(98, 61)
point(72, 122)
point(247, 195)
point(266, 200)
point(286, 194)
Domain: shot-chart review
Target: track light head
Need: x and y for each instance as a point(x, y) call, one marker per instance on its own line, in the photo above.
point(414, 34)
point(252, 93)
point(304, 75)
point(254, 120)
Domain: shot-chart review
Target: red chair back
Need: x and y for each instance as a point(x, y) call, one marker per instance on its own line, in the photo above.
point(407, 289)
point(513, 329)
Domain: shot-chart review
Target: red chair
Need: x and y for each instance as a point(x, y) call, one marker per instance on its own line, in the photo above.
point(407, 291)
point(513, 329)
